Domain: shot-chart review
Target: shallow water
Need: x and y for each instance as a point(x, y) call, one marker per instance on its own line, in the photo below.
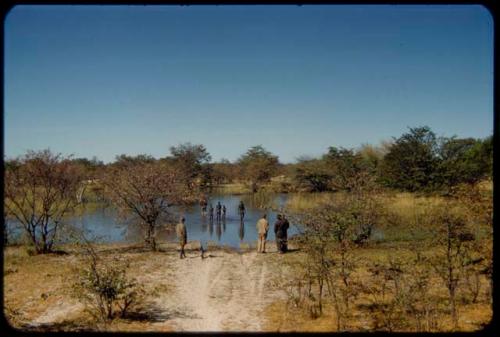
point(105, 225)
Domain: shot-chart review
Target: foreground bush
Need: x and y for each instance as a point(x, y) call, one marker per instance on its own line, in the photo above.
point(105, 289)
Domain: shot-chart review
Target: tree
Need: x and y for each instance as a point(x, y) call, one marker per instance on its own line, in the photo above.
point(462, 161)
point(258, 166)
point(224, 172)
point(192, 162)
point(124, 160)
point(452, 237)
point(146, 190)
point(40, 190)
point(373, 155)
point(90, 167)
point(329, 237)
point(348, 170)
point(313, 175)
point(412, 162)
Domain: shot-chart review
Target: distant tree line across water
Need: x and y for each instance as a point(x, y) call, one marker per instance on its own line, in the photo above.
point(416, 161)
point(41, 188)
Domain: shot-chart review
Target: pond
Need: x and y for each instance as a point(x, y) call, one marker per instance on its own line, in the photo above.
point(104, 224)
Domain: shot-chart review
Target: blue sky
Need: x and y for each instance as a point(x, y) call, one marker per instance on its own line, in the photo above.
point(107, 80)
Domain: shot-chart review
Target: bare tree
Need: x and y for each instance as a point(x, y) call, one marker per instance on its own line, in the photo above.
point(146, 190)
point(40, 190)
point(451, 237)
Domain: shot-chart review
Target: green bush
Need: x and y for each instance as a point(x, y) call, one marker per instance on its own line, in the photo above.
point(106, 290)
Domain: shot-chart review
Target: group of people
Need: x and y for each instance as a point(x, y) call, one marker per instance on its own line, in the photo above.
point(280, 227)
point(220, 210)
point(280, 232)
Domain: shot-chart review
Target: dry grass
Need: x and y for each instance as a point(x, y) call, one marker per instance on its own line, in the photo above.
point(234, 188)
point(285, 317)
point(35, 285)
point(299, 202)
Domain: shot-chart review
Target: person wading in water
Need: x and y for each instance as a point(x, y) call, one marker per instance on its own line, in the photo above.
point(241, 210)
point(218, 209)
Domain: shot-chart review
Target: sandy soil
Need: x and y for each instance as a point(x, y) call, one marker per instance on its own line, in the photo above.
point(225, 291)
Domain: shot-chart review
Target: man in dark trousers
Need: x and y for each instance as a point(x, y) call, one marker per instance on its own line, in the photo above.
point(281, 232)
point(218, 208)
point(241, 210)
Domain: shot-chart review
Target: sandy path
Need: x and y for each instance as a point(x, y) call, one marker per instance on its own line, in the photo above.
point(224, 292)
point(57, 312)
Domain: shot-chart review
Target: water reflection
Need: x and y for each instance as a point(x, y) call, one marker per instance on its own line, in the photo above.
point(106, 224)
point(218, 229)
point(203, 223)
point(241, 232)
point(211, 226)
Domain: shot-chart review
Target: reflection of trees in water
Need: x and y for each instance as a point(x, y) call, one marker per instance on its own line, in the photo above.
point(211, 226)
point(242, 230)
point(135, 230)
point(218, 230)
point(203, 223)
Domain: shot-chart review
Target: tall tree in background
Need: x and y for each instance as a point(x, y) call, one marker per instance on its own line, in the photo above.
point(40, 190)
point(464, 161)
point(312, 174)
point(258, 166)
point(373, 155)
point(348, 169)
point(125, 160)
point(412, 162)
point(192, 162)
point(224, 172)
point(147, 191)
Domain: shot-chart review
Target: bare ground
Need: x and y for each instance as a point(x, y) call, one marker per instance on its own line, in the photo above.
point(225, 291)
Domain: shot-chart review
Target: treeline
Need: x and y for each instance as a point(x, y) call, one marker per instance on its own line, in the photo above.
point(416, 161)
point(42, 188)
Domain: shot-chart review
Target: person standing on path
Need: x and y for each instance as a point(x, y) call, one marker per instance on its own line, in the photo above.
point(241, 210)
point(262, 229)
point(224, 212)
point(280, 230)
point(182, 235)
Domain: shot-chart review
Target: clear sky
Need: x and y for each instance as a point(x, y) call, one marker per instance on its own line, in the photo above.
point(107, 80)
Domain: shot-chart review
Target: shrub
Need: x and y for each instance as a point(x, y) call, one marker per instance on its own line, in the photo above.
point(105, 288)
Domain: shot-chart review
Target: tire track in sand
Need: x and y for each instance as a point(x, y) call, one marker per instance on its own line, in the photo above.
point(227, 292)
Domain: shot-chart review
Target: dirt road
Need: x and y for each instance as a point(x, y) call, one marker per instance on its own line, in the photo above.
point(226, 291)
